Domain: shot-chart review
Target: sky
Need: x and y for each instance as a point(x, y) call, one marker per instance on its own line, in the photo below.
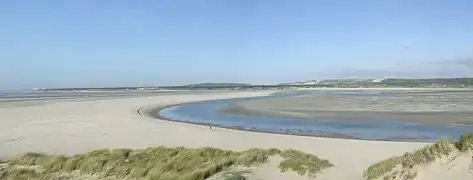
point(90, 43)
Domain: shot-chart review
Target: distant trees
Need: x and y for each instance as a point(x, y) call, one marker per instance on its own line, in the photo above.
point(436, 82)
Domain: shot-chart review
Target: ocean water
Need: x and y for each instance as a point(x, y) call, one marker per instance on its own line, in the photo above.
point(381, 129)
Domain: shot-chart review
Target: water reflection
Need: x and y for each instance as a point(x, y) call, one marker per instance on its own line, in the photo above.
point(382, 129)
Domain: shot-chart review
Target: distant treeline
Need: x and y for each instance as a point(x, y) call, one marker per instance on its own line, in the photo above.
point(411, 83)
point(342, 83)
point(459, 82)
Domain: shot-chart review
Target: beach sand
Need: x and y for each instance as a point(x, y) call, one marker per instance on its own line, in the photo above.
point(81, 126)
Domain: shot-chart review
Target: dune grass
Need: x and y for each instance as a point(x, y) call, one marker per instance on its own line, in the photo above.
point(157, 163)
point(428, 154)
point(302, 163)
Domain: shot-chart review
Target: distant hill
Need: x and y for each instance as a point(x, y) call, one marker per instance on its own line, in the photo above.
point(219, 85)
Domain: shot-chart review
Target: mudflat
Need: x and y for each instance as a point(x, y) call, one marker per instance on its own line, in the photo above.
point(411, 106)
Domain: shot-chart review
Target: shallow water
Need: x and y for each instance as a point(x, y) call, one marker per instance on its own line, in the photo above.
point(382, 129)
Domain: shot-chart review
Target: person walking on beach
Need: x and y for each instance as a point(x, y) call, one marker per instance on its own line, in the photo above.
point(211, 128)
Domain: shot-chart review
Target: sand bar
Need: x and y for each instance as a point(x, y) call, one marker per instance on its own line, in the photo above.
point(412, 106)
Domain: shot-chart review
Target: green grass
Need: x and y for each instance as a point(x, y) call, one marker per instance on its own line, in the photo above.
point(157, 163)
point(465, 143)
point(302, 163)
point(428, 154)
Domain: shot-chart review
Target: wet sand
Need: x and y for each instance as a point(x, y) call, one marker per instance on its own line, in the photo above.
point(430, 107)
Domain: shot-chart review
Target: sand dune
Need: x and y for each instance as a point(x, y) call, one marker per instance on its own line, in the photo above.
point(458, 166)
point(81, 126)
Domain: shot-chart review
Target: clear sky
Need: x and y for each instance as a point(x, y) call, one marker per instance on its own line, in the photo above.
point(87, 43)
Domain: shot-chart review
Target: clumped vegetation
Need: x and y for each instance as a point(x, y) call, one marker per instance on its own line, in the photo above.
point(302, 163)
point(154, 163)
point(465, 143)
point(428, 154)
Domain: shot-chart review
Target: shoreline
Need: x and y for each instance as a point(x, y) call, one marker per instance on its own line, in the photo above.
point(153, 112)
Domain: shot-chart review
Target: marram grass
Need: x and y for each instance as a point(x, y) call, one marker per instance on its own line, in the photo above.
point(428, 154)
point(301, 163)
point(154, 163)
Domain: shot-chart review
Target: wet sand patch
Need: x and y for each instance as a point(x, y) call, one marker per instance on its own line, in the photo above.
point(439, 108)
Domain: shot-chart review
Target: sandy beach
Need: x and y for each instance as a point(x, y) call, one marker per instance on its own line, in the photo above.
point(81, 126)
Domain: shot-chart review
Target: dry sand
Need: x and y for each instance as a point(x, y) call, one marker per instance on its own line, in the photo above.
point(459, 166)
point(81, 126)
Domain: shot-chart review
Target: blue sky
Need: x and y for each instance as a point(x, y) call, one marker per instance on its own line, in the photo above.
point(87, 43)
